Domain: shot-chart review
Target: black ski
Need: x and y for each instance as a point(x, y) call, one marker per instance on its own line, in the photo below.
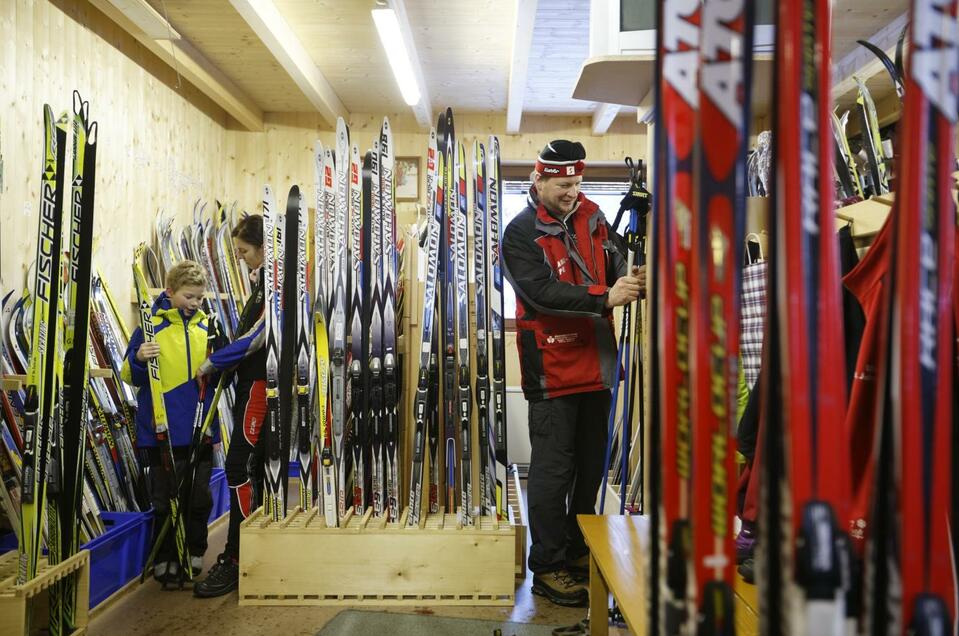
point(375, 311)
point(487, 458)
point(340, 311)
point(494, 189)
point(388, 301)
point(360, 199)
point(448, 310)
point(273, 284)
point(422, 404)
point(305, 437)
point(76, 360)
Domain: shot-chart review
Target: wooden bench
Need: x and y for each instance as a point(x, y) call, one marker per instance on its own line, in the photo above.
point(618, 549)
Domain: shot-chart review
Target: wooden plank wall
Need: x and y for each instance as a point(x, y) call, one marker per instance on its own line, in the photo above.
point(160, 144)
point(281, 154)
point(163, 144)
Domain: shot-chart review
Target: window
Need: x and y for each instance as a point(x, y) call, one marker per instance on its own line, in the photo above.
point(606, 194)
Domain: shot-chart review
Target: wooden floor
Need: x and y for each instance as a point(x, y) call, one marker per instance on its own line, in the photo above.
point(148, 610)
point(145, 609)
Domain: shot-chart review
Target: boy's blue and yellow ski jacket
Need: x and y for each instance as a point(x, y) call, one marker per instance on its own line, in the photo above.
point(183, 344)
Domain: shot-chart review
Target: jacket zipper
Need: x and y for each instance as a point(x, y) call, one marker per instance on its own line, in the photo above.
point(186, 334)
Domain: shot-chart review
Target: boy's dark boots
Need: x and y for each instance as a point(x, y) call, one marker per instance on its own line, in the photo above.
point(223, 578)
point(560, 588)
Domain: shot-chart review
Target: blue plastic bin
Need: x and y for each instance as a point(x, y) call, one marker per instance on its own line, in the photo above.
point(8, 541)
point(118, 556)
point(220, 493)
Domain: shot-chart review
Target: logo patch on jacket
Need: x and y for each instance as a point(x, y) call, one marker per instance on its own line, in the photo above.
point(562, 338)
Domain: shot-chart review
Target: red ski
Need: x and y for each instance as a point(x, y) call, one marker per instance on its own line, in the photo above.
point(912, 532)
point(808, 551)
point(718, 224)
point(678, 57)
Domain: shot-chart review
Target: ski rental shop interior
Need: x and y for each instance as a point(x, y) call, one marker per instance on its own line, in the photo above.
point(492, 317)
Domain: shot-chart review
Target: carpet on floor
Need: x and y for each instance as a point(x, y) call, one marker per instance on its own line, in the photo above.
point(349, 622)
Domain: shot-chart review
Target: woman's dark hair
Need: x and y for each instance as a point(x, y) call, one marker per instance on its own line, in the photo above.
point(250, 230)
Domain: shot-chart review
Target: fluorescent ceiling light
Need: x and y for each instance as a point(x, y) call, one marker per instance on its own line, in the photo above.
point(395, 47)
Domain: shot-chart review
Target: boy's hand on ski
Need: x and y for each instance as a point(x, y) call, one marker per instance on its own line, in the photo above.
point(148, 351)
point(625, 290)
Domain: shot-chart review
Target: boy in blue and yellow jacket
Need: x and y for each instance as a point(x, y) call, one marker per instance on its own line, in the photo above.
point(181, 336)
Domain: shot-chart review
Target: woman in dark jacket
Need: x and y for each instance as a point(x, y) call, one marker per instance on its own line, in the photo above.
point(246, 357)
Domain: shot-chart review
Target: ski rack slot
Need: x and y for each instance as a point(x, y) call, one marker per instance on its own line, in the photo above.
point(517, 517)
point(367, 561)
point(26, 605)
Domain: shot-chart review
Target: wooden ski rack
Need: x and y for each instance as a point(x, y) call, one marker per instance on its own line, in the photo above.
point(366, 561)
point(23, 605)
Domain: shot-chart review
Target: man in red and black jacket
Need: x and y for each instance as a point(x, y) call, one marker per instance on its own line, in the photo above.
point(568, 269)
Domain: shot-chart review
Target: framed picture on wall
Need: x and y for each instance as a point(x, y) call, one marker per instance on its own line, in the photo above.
point(407, 175)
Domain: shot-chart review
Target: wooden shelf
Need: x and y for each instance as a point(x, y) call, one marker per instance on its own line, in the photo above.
point(628, 80)
point(13, 382)
point(603, 79)
point(867, 217)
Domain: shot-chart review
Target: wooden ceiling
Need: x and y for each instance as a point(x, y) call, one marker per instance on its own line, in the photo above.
point(559, 48)
point(464, 48)
point(858, 19)
point(223, 36)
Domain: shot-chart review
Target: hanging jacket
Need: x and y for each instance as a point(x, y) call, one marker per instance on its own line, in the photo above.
point(561, 273)
point(183, 345)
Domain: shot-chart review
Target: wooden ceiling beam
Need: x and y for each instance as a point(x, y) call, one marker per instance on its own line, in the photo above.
point(861, 62)
point(519, 64)
point(272, 29)
point(184, 58)
point(423, 110)
point(146, 18)
point(603, 117)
